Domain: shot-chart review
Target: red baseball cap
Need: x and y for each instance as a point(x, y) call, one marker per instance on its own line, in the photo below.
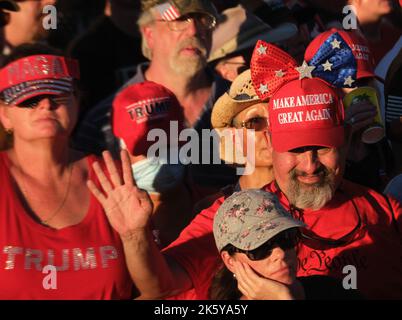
point(37, 75)
point(303, 113)
point(140, 108)
point(358, 45)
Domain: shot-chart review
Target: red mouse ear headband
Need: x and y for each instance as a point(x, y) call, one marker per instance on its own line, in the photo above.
point(272, 67)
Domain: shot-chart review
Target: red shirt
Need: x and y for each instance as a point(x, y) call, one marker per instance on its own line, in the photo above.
point(376, 251)
point(88, 256)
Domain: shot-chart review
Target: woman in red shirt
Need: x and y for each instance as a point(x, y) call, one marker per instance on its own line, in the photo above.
point(55, 240)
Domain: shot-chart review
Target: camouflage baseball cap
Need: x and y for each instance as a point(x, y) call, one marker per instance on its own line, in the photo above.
point(183, 7)
point(249, 218)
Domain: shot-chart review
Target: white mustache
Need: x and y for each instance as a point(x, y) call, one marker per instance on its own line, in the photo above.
point(195, 43)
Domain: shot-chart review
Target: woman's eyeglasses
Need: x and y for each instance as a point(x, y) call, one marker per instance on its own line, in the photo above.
point(255, 123)
point(285, 240)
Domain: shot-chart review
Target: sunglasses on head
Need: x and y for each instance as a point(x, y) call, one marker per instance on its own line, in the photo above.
point(34, 102)
point(285, 240)
point(314, 241)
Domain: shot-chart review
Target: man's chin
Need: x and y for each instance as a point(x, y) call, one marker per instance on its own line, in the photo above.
point(189, 65)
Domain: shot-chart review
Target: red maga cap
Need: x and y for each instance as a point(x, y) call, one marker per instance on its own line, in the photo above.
point(140, 108)
point(36, 75)
point(303, 113)
point(360, 49)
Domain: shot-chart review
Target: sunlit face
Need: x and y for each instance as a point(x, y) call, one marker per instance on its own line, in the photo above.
point(280, 266)
point(185, 51)
point(48, 117)
point(258, 114)
point(26, 25)
point(372, 8)
point(309, 176)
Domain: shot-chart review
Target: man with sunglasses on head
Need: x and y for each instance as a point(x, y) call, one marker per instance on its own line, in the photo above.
point(176, 38)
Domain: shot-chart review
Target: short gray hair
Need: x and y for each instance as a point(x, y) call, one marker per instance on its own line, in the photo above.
point(145, 18)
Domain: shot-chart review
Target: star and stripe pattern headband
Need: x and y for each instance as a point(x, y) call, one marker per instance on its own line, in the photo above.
point(272, 67)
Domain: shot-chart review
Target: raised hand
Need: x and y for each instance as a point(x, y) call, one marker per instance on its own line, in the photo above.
point(254, 287)
point(360, 115)
point(127, 208)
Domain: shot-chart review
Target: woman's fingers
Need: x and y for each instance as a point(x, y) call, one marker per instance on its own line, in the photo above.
point(362, 124)
point(96, 192)
point(103, 180)
point(250, 273)
point(243, 290)
point(360, 107)
point(111, 168)
point(126, 165)
point(242, 276)
point(144, 200)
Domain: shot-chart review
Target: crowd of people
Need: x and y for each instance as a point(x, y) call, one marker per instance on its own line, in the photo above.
point(285, 88)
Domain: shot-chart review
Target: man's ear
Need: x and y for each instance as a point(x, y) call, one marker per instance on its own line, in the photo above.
point(225, 71)
point(228, 260)
point(148, 35)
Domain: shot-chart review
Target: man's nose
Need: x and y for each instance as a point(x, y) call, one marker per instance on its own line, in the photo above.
point(193, 27)
point(309, 162)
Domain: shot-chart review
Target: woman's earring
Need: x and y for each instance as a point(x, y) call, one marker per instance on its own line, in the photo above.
point(9, 131)
point(234, 275)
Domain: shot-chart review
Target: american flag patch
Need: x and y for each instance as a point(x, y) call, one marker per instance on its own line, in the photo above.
point(168, 11)
point(394, 108)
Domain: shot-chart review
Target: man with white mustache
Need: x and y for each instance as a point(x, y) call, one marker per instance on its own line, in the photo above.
point(177, 39)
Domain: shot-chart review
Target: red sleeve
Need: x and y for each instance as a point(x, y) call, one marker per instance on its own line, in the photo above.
point(195, 249)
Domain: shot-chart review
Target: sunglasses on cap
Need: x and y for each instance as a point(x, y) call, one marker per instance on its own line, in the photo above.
point(205, 21)
point(315, 241)
point(285, 240)
point(34, 102)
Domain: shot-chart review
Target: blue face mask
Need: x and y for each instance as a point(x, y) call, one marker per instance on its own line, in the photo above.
point(155, 177)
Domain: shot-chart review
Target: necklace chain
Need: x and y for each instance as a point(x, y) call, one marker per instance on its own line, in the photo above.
point(24, 192)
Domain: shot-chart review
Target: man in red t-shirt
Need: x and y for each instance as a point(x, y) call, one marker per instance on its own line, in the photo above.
point(353, 232)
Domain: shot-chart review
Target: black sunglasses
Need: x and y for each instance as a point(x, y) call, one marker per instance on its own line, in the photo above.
point(34, 102)
point(314, 241)
point(285, 240)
